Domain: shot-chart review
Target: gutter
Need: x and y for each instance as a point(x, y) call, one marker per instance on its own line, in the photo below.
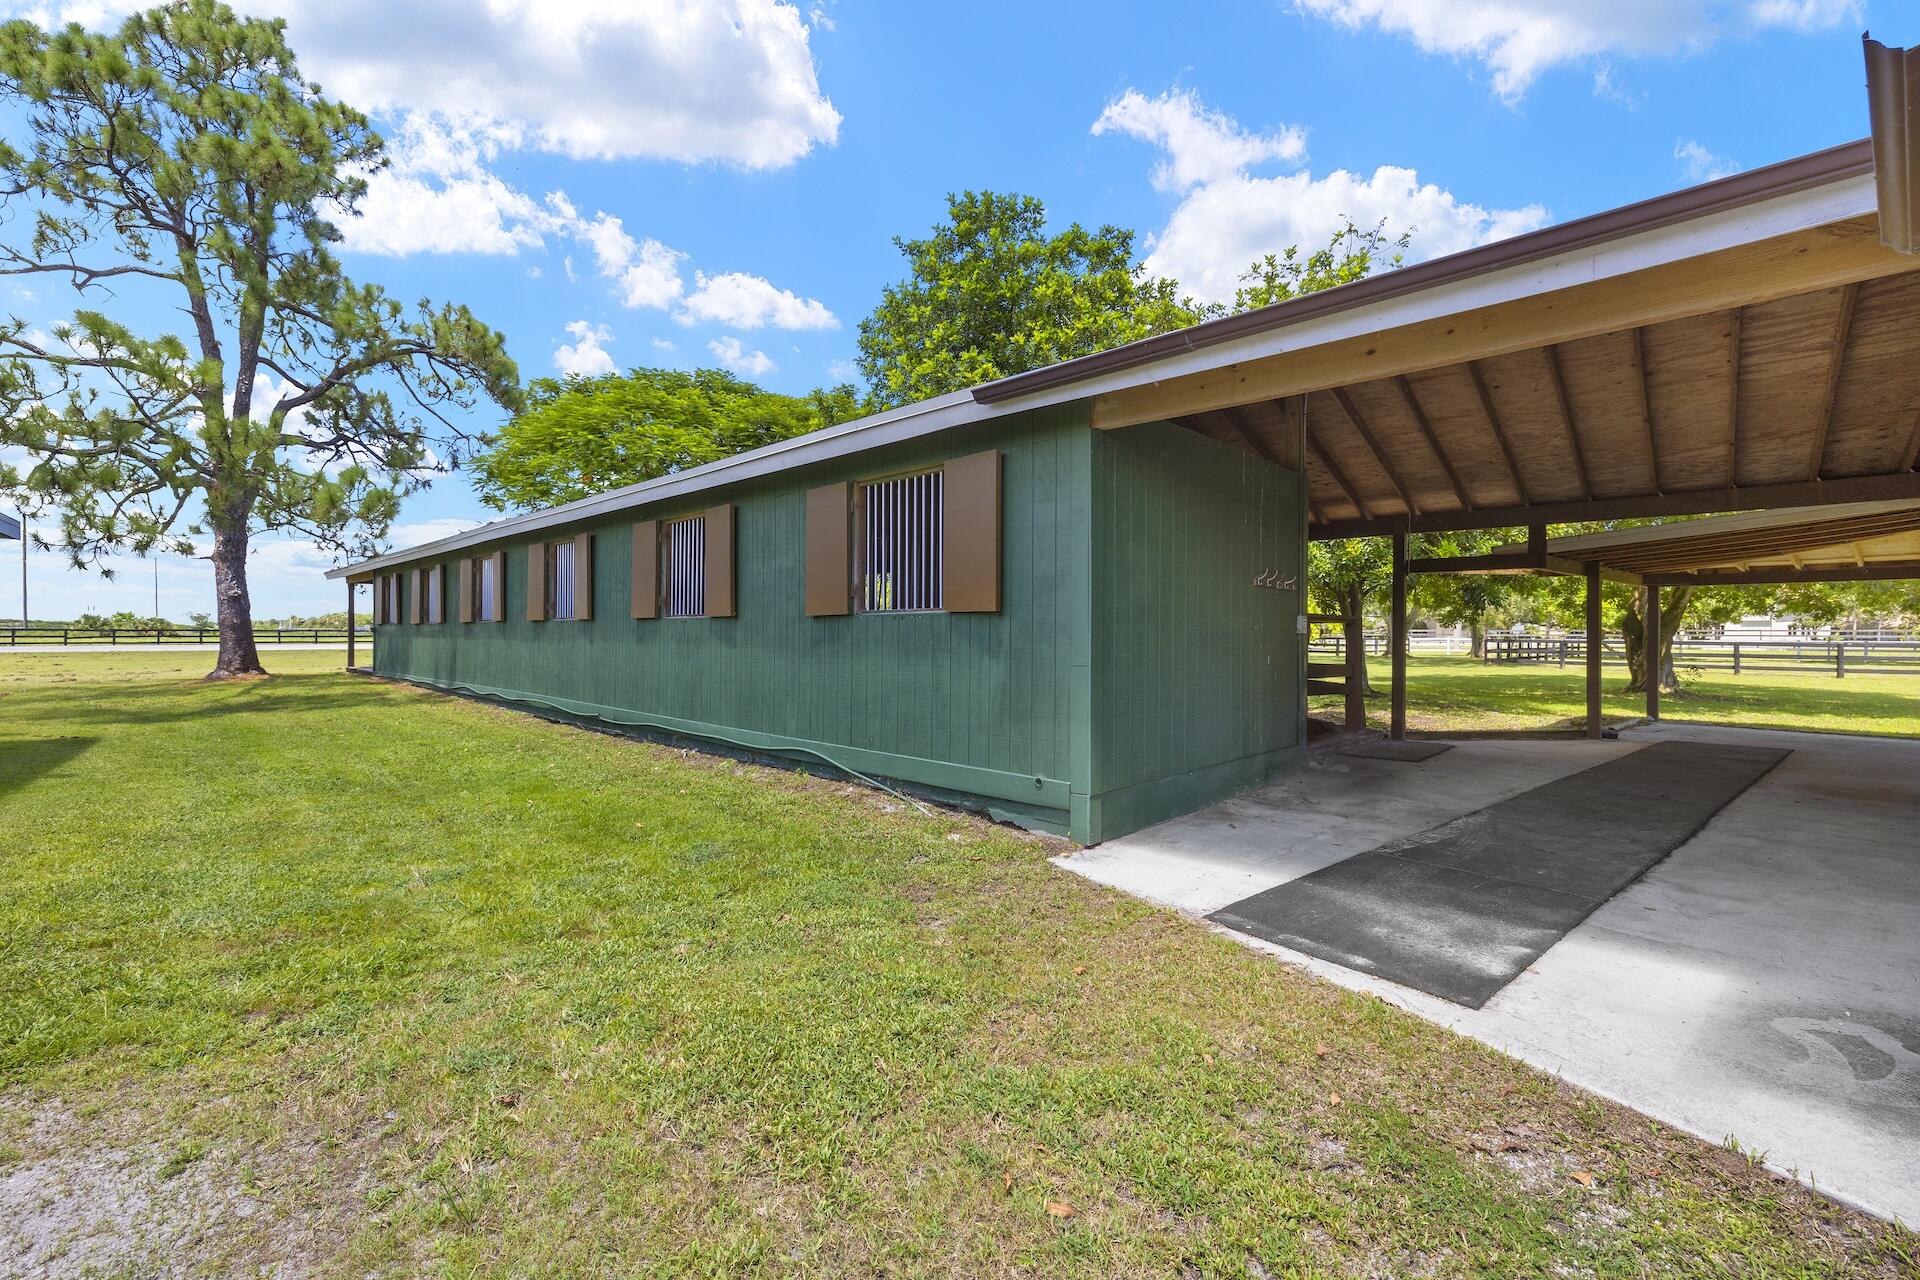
point(1850, 160)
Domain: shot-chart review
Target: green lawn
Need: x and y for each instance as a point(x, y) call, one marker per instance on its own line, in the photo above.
point(1459, 693)
point(324, 971)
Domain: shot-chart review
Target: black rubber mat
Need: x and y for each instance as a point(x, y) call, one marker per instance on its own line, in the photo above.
point(1460, 910)
point(1387, 749)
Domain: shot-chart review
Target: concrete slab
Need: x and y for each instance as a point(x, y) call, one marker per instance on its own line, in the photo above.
point(1761, 984)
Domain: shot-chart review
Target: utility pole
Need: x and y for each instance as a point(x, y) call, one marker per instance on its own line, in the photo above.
point(156, 590)
point(24, 615)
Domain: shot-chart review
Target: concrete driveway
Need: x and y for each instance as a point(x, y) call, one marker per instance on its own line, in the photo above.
point(1762, 984)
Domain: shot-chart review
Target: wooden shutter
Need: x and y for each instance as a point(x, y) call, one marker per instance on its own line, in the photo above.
point(413, 596)
point(536, 582)
point(719, 522)
point(583, 576)
point(499, 587)
point(465, 579)
point(379, 601)
point(971, 571)
point(646, 569)
point(829, 575)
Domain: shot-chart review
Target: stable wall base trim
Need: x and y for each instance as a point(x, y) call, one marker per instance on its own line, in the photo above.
point(1040, 803)
point(1115, 813)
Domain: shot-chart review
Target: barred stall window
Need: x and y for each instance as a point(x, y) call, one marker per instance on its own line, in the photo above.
point(560, 581)
point(436, 598)
point(901, 544)
point(683, 567)
point(393, 597)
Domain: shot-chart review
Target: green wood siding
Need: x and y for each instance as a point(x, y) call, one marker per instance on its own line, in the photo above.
point(1197, 671)
point(1133, 671)
point(938, 699)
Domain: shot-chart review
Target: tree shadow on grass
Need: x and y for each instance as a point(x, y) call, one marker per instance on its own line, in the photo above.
point(173, 703)
point(24, 759)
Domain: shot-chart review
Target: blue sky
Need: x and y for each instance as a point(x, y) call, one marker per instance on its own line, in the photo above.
point(708, 182)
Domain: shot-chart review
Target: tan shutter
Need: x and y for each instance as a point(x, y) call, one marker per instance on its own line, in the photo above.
point(971, 572)
point(413, 596)
point(829, 576)
point(583, 576)
point(537, 582)
point(645, 590)
point(379, 599)
point(467, 593)
point(499, 587)
point(719, 522)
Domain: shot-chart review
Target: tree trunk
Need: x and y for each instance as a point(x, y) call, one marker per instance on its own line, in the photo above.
point(1477, 632)
point(1353, 603)
point(1633, 630)
point(238, 657)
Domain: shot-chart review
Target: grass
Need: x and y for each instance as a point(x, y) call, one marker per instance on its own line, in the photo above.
point(1460, 693)
point(437, 988)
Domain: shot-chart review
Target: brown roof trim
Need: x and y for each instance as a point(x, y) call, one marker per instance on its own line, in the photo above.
point(1849, 160)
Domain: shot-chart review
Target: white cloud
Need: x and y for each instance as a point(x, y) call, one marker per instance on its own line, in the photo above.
point(1805, 15)
point(842, 371)
point(1700, 164)
point(733, 354)
point(742, 301)
point(1517, 40)
point(1227, 217)
point(662, 344)
point(1202, 145)
point(437, 196)
point(646, 273)
point(731, 81)
point(586, 356)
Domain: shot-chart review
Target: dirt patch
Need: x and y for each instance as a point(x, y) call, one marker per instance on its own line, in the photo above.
point(90, 1191)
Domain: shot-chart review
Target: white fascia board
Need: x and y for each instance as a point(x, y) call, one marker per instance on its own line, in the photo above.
point(858, 436)
point(1798, 211)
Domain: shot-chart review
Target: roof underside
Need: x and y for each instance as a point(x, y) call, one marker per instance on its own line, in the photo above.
point(1867, 540)
point(1772, 397)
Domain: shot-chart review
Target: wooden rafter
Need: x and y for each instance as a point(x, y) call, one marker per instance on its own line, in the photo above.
point(1646, 406)
point(1339, 477)
point(1565, 404)
point(1237, 419)
point(1882, 571)
point(1433, 441)
point(1690, 502)
point(1836, 364)
point(1359, 421)
point(1499, 433)
point(1735, 322)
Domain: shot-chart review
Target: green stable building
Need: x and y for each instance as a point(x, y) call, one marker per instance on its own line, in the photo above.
point(1074, 598)
point(1079, 631)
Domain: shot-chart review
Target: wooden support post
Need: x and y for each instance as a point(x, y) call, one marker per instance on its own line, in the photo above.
point(1397, 639)
point(1353, 643)
point(350, 641)
point(1593, 649)
point(1650, 651)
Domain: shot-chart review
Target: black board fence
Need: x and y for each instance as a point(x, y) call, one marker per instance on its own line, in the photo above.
point(25, 637)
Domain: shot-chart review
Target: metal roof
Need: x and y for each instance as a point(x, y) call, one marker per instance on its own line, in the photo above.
point(9, 527)
point(1725, 211)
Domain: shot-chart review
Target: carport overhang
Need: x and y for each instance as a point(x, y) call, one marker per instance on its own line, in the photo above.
point(1846, 542)
point(1748, 344)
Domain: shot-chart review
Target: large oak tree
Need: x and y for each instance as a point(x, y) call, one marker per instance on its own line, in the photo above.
point(182, 162)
